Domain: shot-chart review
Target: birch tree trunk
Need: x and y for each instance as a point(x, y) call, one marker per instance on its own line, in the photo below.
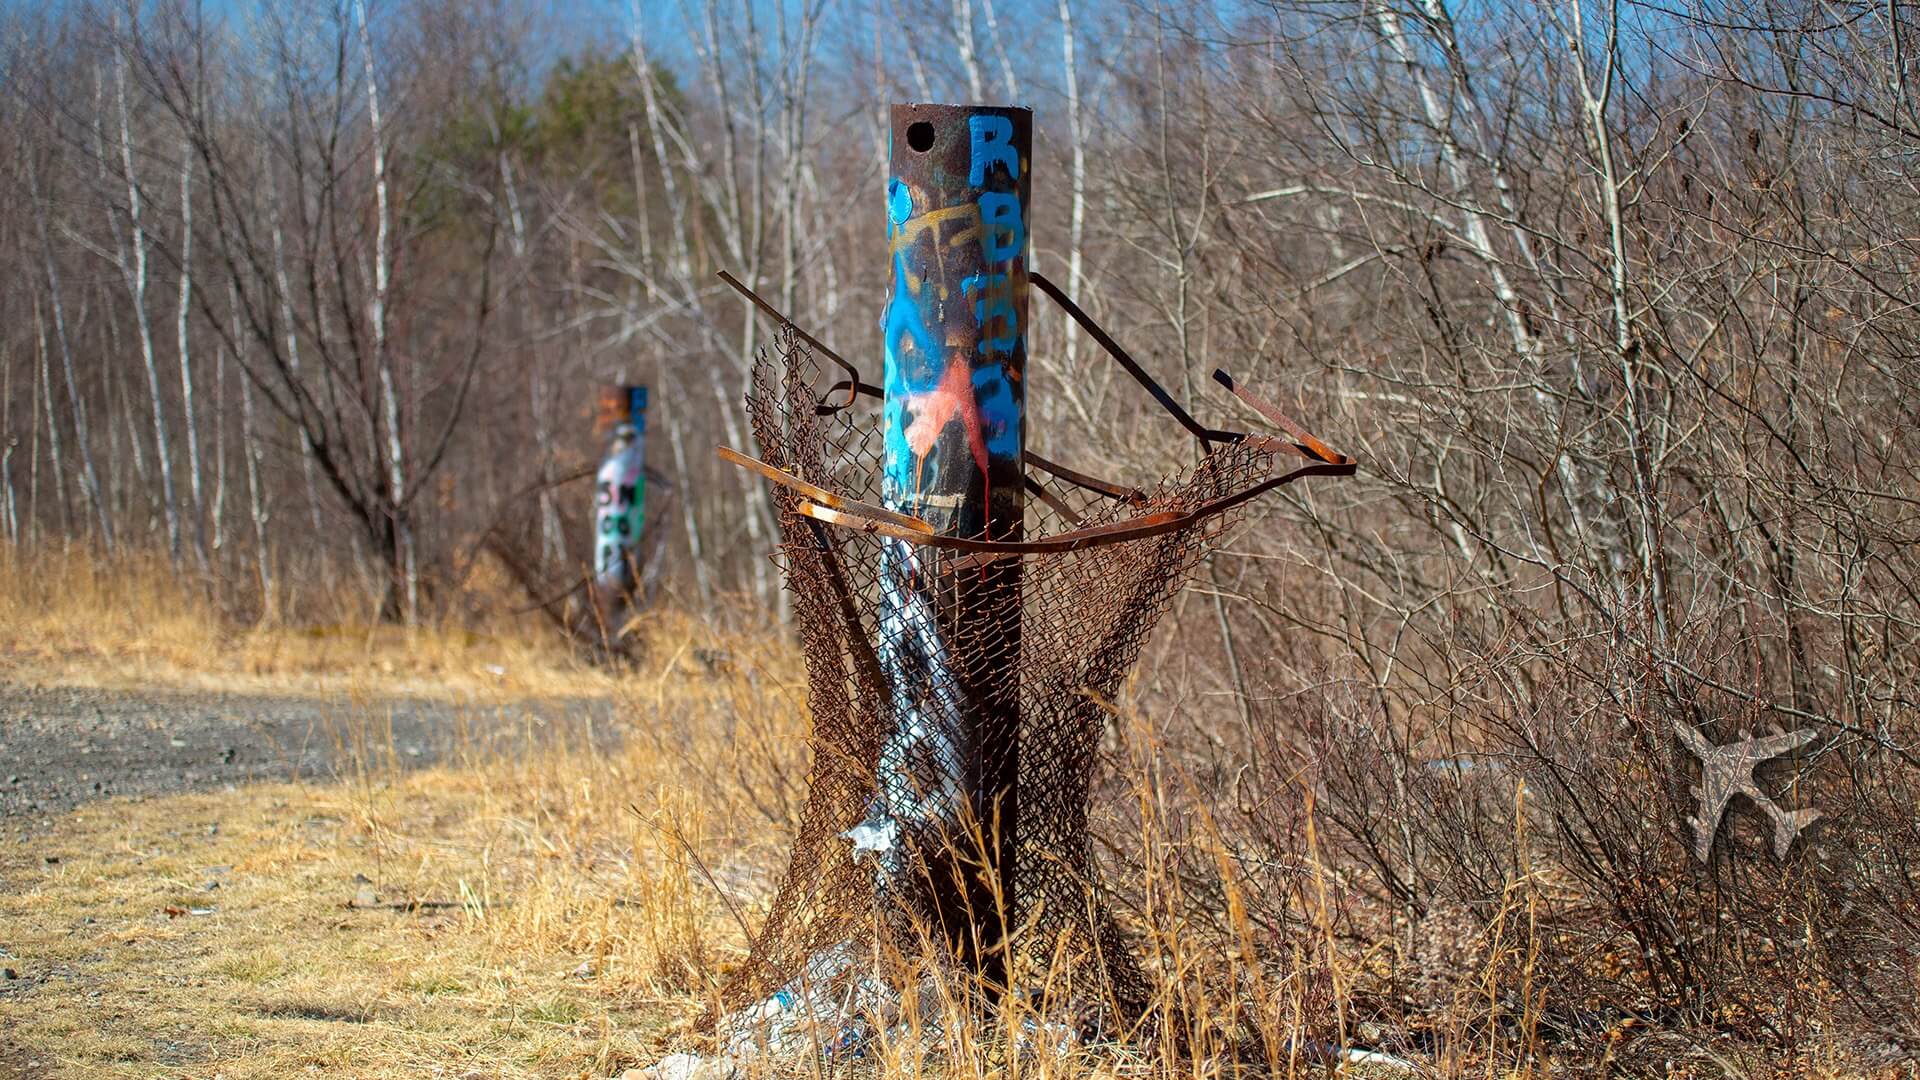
point(1000, 52)
point(134, 270)
point(53, 425)
point(962, 26)
point(8, 444)
point(218, 511)
point(186, 358)
point(914, 62)
point(741, 236)
point(33, 409)
point(403, 556)
point(257, 509)
point(1479, 238)
point(1076, 178)
point(537, 391)
point(795, 86)
point(740, 209)
point(1594, 106)
point(6, 471)
point(696, 552)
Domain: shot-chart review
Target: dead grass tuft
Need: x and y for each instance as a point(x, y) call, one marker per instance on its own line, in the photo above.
point(138, 620)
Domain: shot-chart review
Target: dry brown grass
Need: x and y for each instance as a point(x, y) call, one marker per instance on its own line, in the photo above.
point(577, 909)
point(563, 929)
point(557, 913)
point(281, 978)
point(137, 620)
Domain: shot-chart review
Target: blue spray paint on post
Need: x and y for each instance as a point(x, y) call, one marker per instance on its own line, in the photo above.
point(955, 339)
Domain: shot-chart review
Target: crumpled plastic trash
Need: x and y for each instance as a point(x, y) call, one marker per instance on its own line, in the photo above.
point(873, 835)
point(836, 1009)
point(685, 1067)
point(829, 1008)
point(825, 1008)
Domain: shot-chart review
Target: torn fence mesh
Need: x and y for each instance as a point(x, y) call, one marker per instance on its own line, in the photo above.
point(886, 841)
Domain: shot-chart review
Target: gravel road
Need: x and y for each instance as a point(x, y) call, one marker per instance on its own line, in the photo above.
point(61, 746)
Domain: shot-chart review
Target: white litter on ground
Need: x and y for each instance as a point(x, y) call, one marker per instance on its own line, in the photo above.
point(837, 1011)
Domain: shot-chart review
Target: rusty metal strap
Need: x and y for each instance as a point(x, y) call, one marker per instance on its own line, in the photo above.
point(904, 522)
point(1105, 340)
point(1082, 480)
point(865, 517)
point(854, 388)
point(1308, 446)
point(1313, 447)
point(853, 385)
point(1039, 491)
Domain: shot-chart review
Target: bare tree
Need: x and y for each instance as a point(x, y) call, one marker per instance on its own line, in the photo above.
point(131, 258)
point(304, 255)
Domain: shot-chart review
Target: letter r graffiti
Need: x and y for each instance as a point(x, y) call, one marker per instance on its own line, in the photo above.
point(992, 140)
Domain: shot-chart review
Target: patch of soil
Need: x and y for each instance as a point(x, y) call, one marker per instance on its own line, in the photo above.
point(17, 1062)
point(62, 746)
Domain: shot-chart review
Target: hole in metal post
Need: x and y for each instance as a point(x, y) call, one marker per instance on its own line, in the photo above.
point(920, 136)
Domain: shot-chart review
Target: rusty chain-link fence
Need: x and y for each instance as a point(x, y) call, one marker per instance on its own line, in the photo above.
point(893, 859)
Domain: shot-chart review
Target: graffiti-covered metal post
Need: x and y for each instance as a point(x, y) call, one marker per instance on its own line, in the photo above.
point(955, 330)
point(619, 502)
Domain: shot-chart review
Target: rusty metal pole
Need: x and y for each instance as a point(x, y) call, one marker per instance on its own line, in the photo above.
point(955, 329)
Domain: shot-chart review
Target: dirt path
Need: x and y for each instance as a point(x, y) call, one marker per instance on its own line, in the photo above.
point(62, 746)
point(221, 928)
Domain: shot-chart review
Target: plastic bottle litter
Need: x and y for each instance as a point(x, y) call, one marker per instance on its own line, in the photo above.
point(828, 1008)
